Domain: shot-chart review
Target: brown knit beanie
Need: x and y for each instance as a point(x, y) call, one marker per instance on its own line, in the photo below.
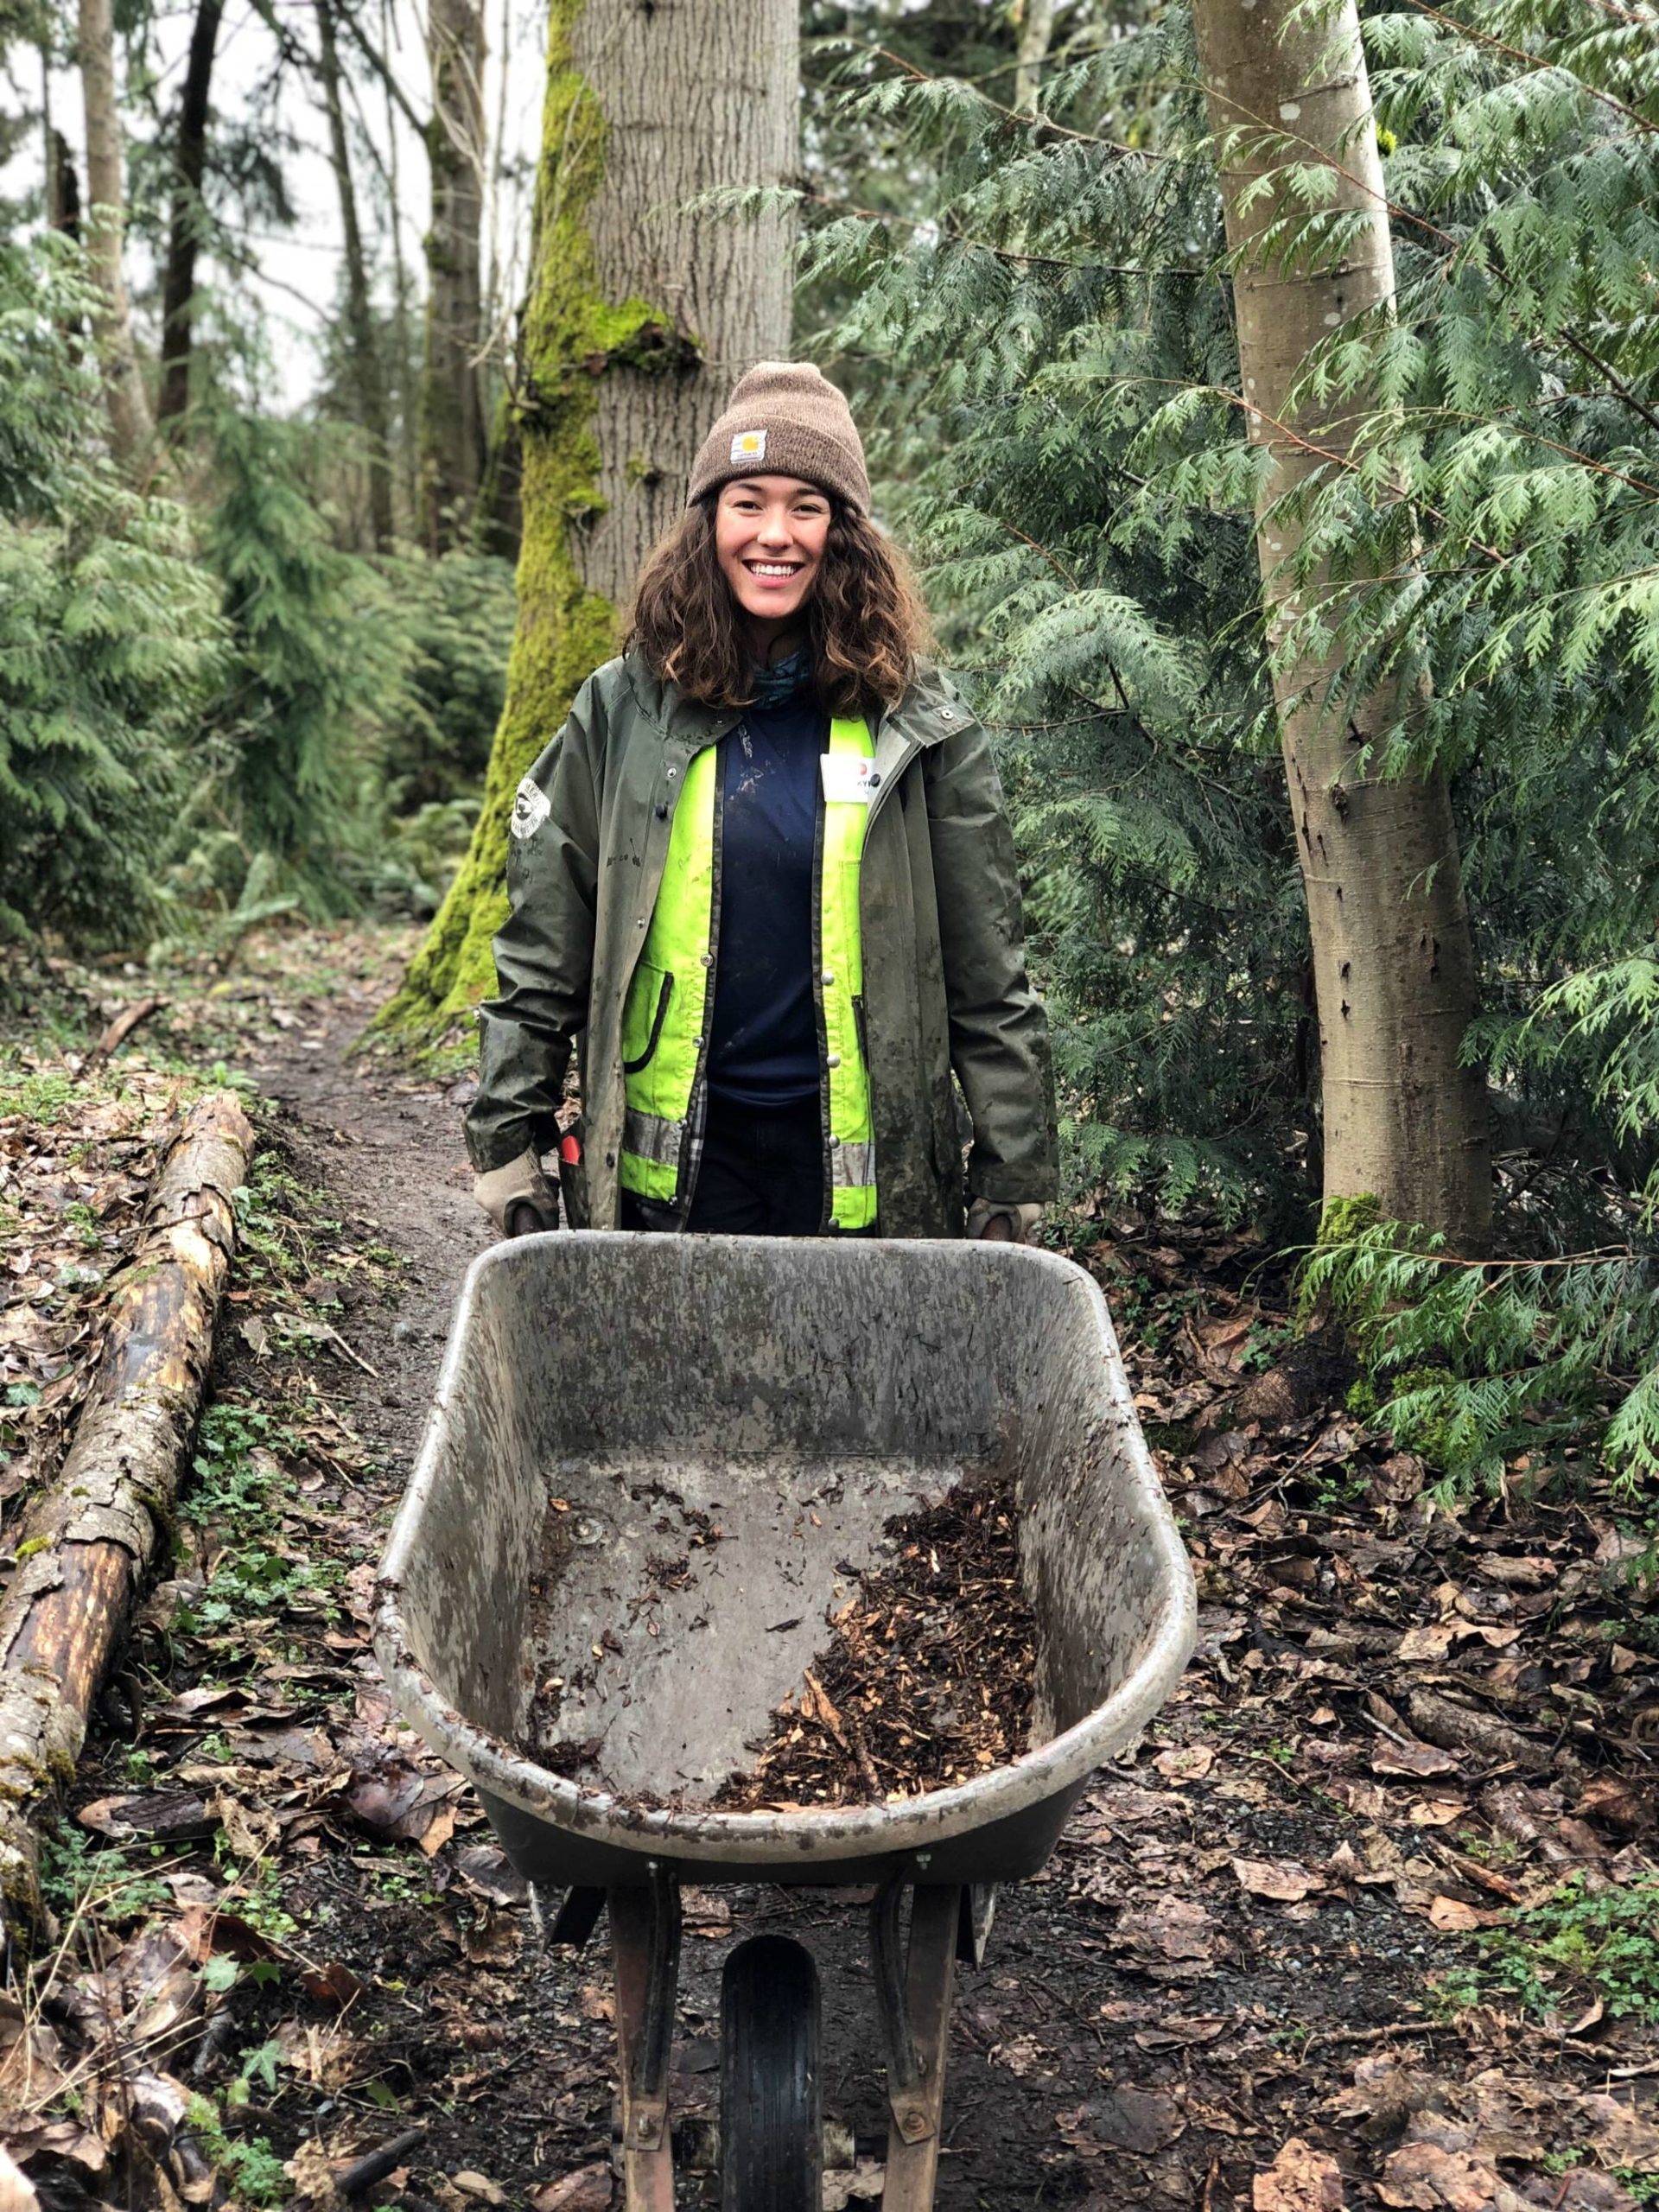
point(785, 418)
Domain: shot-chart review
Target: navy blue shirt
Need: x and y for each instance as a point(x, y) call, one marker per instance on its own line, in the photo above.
point(763, 1042)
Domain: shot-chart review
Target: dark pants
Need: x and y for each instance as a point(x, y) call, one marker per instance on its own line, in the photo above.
point(761, 1172)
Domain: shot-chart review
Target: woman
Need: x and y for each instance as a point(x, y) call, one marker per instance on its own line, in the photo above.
point(763, 875)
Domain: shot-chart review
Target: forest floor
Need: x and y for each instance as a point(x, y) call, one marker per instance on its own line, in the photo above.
point(1370, 1915)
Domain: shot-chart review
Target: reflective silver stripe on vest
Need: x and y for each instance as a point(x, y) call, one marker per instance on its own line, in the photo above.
point(652, 1136)
point(852, 1166)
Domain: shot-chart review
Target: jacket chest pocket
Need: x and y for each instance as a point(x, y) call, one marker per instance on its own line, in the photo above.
point(646, 1011)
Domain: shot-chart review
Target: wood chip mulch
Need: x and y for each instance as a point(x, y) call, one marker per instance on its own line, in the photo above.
point(928, 1681)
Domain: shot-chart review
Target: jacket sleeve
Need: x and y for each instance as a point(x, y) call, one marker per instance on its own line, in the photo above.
point(998, 1032)
point(544, 950)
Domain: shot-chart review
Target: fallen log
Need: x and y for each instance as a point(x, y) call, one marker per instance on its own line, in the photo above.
point(92, 1534)
point(1461, 1728)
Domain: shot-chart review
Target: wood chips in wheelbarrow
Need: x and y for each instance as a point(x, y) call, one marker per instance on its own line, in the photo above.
point(927, 1680)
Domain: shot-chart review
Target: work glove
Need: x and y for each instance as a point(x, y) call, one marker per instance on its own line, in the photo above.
point(1002, 1224)
point(518, 1198)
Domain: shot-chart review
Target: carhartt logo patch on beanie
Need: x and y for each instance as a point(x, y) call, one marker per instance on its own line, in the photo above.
point(787, 418)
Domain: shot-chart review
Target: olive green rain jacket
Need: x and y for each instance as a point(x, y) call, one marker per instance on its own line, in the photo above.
point(944, 974)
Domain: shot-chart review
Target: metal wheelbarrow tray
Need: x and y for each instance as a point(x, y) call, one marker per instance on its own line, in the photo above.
point(749, 1413)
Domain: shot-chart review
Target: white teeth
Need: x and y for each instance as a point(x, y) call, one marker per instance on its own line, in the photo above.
point(771, 568)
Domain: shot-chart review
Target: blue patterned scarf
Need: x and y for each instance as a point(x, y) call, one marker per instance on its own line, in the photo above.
point(783, 680)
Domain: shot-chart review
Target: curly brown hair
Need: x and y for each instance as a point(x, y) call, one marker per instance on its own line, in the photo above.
point(865, 622)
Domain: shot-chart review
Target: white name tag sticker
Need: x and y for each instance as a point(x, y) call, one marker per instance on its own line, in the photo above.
point(849, 779)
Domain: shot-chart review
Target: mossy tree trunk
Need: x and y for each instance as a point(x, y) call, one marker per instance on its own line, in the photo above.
point(452, 423)
point(640, 317)
point(1405, 1121)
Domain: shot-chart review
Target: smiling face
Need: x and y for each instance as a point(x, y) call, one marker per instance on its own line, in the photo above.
point(770, 533)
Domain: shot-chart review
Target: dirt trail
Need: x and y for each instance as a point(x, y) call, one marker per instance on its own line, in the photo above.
point(390, 1154)
point(1251, 1977)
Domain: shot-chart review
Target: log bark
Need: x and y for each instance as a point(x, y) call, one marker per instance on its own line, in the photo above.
point(1405, 1123)
point(91, 1537)
point(642, 315)
point(452, 418)
point(131, 425)
point(184, 218)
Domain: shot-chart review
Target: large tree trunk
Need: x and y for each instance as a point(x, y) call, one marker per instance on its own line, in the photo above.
point(452, 424)
point(1404, 1123)
point(367, 373)
point(640, 318)
point(184, 221)
point(132, 427)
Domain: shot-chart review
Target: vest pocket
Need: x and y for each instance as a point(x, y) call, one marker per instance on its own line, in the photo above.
point(643, 998)
point(863, 1034)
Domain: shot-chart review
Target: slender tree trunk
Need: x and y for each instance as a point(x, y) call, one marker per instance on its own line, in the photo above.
point(184, 221)
point(62, 188)
point(452, 424)
point(407, 459)
point(132, 427)
point(1404, 1123)
point(62, 185)
point(1036, 35)
point(498, 522)
point(367, 372)
point(640, 318)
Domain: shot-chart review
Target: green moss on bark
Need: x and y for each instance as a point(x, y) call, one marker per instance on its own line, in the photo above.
point(1342, 1219)
point(571, 336)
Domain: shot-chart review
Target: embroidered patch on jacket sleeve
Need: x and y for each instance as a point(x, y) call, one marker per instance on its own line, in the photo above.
point(530, 808)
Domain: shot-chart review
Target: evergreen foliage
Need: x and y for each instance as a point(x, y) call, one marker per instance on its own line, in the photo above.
point(315, 648)
point(205, 719)
point(1478, 1366)
point(108, 637)
point(1064, 440)
point(361, 692)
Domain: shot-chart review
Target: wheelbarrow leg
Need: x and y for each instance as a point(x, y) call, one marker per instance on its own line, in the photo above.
point(915, 2007)
point(646, 1946)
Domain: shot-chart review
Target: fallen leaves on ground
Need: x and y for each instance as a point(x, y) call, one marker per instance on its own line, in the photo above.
point(1300, 2179)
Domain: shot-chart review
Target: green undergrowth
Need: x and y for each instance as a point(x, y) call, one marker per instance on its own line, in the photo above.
point(1576, 1949)
point(112, 1885)
point(1580, 1946)
point(1542, 1370)
point(252, 2169)
point(260, 1433)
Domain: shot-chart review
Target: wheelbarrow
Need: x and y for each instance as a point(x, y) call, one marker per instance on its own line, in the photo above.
point(653, 1465)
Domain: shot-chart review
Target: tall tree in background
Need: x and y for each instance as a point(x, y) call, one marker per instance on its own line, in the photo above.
point(452, 423)
point(1036, 21)
point(184, 219)
point(640, 317)
point(132, 425)
point(1404, 1120)
point(368, 375)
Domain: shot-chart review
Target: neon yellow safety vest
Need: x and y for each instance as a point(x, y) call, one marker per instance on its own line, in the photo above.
point(664, 1031)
